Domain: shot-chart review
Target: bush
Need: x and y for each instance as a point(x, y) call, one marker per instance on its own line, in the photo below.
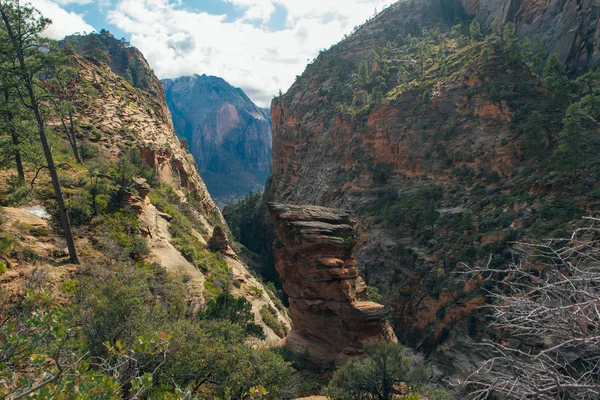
point(237, 310)
point(20, 196)
point(88, 150)
point(138, 247)
point(79, 208)
point(3, 268)
point(6, 243)
point(387, 369)
point(269, 316)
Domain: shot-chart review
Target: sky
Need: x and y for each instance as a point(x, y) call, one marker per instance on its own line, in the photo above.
point(257, 45)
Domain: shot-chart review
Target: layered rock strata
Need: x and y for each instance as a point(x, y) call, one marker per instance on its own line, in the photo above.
point(314, 255)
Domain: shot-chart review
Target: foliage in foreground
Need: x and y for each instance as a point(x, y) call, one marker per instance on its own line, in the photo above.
point(127, 334)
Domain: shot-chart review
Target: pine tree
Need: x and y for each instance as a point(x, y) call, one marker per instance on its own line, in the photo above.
point(557, 82)
point(363, 74)
point(538, 54)
point(475, 31)
point(22, 27)
point(62, 82)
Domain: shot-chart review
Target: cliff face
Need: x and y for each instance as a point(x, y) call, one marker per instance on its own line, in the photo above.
point(228, 135)
point(568, 28)
point(314, 257)
point(430, 142)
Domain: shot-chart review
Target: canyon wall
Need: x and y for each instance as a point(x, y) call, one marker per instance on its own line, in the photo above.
point(567, 28)
point(441, 169)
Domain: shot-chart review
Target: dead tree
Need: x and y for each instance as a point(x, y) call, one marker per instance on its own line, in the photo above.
point(546, 311)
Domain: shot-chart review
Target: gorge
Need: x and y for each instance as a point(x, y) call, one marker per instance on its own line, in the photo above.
point(427, 228)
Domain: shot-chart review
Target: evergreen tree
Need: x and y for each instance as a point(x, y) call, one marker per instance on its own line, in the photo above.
point(538, 54)
point(12, 148)
point(94, 48)
point(62, 83)
point(363, 74)
point(21, 28)
point(475, 31)
point(557, 82)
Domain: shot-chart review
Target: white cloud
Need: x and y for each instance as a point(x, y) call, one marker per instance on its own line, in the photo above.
point(177, 42)
point(63, 22)
point(260, 10)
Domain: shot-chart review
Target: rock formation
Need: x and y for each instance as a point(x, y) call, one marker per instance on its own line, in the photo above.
point(314, 255)
point(228, 135)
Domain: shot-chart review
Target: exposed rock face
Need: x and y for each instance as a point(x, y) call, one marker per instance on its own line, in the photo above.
point(568, 28)
point(219, 242)
point(229, 136)
point(314, 257)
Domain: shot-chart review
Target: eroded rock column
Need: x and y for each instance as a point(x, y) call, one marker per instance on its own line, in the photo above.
point(314, 255)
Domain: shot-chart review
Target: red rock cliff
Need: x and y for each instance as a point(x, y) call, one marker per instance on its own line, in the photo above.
point(314, 257)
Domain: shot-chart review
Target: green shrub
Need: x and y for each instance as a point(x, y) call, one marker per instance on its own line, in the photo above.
point(6, 243)
point(88, 150)
point(39, 231)
point(79, 207)
point(3, 268)
point(20, 196)
point(379, 374)
point(269, 317)
point(234, 309)
point(219, 278)
point(138, 247)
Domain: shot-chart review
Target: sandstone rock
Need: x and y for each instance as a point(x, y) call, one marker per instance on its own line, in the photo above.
point(219, 242)
point(314, 257)
point(142, 187)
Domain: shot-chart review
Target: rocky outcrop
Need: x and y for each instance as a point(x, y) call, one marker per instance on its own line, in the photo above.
point(228, 135)
point(118, 119)
point(567, 28)
point(314, 255)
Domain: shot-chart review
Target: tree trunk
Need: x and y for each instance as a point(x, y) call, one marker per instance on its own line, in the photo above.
point(70, 134)
point(27, 79)
point(73, 137)
point(18, 158)
point(15, 142)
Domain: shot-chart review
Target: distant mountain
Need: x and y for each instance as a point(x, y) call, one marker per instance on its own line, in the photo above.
point(228, 135)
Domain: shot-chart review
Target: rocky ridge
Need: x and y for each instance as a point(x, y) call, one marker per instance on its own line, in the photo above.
point(114, 119)
point(314, 256)
point(570, 29)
